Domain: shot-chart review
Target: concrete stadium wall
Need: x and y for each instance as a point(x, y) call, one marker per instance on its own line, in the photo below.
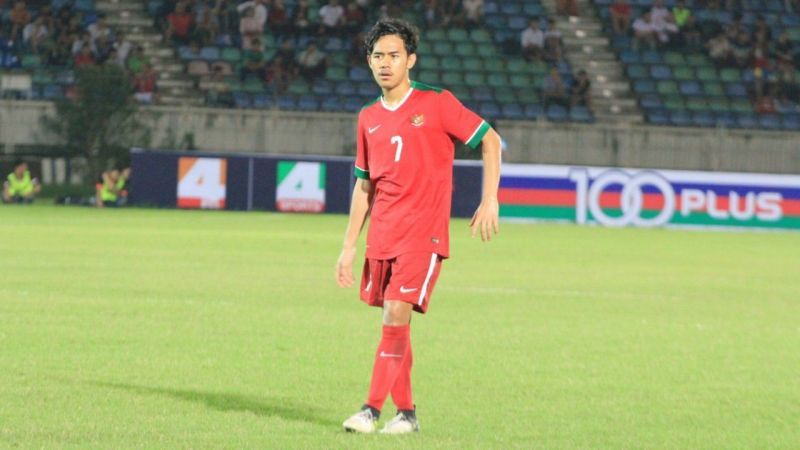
point(283, 132)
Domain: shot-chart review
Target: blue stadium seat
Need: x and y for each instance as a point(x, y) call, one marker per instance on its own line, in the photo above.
point(482, 94)
point(209, 53)
point(770, 121)
point(308, 103)
point(489, 110)
point(704, 118)
point(644, 86)
point(360, 74)
point(680, 118)
point(241, 99)
point(287, 102)
point(791, 122)
point(691, 88)
point(533, 112)
point(735, 90)
point(630, 57)
point(334, 44)
point(322, 87)
point(747, 120)
point(581, 114)
point(491, 8)
point(512, 111)
point(332, 103)
point(651, 57)
point(353, 104)
point(52, 92)
point(651, 101)
point(510, 8)
point(345, 88)
point(517, 23)
point(262, 101)
point(658, 117)
point(661, 72)
point(367, 89)
point(557, 113)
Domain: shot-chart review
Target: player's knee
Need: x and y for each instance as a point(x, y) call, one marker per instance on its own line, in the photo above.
point(396, 313)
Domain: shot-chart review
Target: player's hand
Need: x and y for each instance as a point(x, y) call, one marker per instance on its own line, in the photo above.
point(344, 267)
point(486, 219)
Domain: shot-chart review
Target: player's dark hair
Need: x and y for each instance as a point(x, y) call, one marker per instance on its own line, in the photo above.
point(18, 163)
point(385, 27)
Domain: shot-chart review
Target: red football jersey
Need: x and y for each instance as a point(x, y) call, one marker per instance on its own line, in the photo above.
point(407, 153)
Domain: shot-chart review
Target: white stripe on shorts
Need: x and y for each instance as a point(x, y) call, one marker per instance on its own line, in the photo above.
point(434, 257)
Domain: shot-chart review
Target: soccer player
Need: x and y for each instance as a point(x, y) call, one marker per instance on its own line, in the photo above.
point(404, 165)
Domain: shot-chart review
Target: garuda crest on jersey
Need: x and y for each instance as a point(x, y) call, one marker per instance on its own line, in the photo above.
point(417, 120)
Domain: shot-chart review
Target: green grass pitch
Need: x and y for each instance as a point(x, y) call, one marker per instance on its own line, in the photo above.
point(192, 329)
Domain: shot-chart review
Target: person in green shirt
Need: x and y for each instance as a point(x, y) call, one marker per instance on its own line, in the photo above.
point(111, 189)
point(253, 61)
point(19, 186)
point(681, 13)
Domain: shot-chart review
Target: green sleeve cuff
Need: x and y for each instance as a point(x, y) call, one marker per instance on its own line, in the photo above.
point(478, 135)
point(361, 173)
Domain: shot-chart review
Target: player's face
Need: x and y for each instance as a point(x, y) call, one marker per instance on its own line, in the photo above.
point(390, 62)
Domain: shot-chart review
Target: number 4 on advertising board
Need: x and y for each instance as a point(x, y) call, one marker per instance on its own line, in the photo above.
point(201, 182)
point(301, 187)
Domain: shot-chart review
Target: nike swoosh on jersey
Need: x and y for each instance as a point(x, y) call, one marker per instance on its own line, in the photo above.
point(406, 291)
point(372, 130)
point(390, 355)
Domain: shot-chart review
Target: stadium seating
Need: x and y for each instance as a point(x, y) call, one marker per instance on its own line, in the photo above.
point(471, 63)
point(682, 87)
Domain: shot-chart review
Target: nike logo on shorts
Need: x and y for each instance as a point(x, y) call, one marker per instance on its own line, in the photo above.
point(390, 355)
point(406, 291)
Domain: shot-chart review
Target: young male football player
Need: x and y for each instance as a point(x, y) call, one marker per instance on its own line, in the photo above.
point(404, 165)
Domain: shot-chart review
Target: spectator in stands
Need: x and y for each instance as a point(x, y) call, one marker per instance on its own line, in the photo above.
point(19, 18)
point(644, 32)
point(179, 25)
point(112, 59)
point(137, 60)
point(354, 19)
point(259, 8)
point(101, 36)
point(278, 20)
point(145, 85)
point(667, 31)
point(280, 74)
point(19, 186)
point(85, 41)
point(331, 17)
point(787, 86)
point(690, 34)
point(719, 49)
point(532, 41)
point(554, 90)
point(581, 91)
point(451, 12)
point(567, 7)
point(658, 12)
point(552, 43)
point(741, 49)
point(123, 48)
point(620, 16)
point(205, 32)
point(34, 34)
point(430, 11)
point(762, 28)
point(253, 62)
point(84, 58)
point(46, 13)
point(311, 62)
point(784, 52)
point(61, 53)
point(249, 28)
point(473, 12)
point(301, 19)
point(765, 105)
point(681, 14)
point(735, 27)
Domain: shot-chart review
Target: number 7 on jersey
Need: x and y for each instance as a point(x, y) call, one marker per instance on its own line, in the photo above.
point(399, 141)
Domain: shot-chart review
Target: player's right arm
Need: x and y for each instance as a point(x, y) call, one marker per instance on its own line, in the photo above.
point(359, 211)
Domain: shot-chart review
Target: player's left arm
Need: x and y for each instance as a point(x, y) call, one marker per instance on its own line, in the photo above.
point(486, 220)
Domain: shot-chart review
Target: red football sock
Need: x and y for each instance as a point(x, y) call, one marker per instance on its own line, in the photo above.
point(401, 391)
point(388, 363)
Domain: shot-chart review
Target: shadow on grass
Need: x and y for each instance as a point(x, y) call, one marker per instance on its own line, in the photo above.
point(261, 406)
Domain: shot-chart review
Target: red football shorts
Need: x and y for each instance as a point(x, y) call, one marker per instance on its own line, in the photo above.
point(407, 278)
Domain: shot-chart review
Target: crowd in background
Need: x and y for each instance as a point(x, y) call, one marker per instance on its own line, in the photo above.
point(68, 38)
point(730, 45)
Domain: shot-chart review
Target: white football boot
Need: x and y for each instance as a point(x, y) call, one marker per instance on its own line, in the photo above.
point(363, 421)
point(404, 422)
